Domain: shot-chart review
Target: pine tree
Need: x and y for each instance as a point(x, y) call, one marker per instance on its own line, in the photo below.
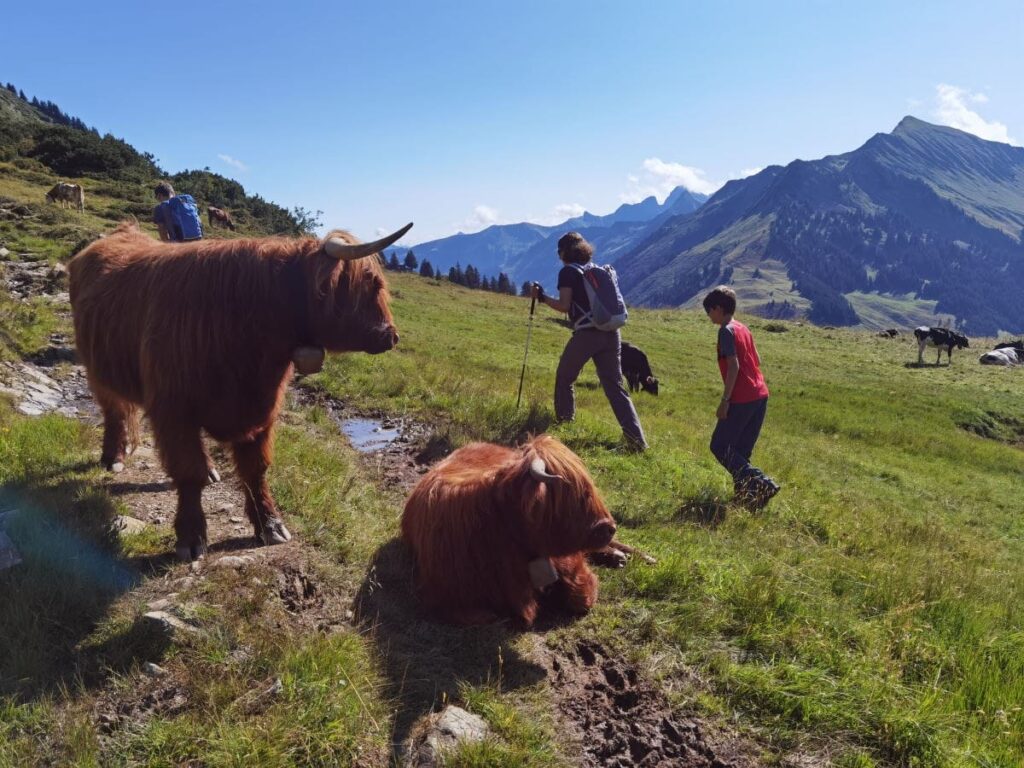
point(410, 261)
point(504, 284)
point(426, 270)
point(456, 276)
point(472, 276)
point(393, 263)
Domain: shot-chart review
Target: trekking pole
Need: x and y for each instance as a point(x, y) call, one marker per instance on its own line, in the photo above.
point(529, 330)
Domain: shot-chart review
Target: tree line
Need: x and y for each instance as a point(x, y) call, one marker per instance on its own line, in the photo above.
point(469, 277)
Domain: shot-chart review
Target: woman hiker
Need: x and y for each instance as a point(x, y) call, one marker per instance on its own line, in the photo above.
point(587, 343)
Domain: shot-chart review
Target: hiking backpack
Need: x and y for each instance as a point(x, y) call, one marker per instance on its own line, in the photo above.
point(184, 215)
point(607, 308)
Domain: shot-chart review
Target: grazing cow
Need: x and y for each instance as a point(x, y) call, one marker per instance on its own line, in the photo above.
point(889, 333)
point(1007, 353)
point(940, 338)
point(219, 216)
point(637, 369)
point(494, 529)
point(68, 195)
point(201, 335)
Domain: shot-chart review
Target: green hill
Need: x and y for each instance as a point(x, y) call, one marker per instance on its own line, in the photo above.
point(873, 615)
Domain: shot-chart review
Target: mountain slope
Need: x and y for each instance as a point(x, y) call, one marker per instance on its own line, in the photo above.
point(927, 214)
point(525, 252)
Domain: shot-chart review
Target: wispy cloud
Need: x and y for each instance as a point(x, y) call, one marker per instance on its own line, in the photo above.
point(482, 217)
point(229, 160)
point(560, 213)
point(952, 109)
point(659, 178)
point(750, 171)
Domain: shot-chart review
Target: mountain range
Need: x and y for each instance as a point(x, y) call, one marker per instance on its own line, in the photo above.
point(527, 251)
point(923, 223)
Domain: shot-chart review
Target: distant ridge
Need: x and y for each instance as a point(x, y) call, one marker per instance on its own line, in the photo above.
point(917, 224)
point(524, 251)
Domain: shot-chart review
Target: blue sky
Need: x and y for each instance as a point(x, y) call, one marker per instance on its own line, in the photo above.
point(456, 115)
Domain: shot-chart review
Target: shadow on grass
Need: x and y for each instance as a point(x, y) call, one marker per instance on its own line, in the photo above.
point(425, 661)
point(70, 573)
point(705, 509)
point(916, 364)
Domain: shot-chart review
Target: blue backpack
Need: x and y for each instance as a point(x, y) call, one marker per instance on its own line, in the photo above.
point(607, 308)
point(184, 218)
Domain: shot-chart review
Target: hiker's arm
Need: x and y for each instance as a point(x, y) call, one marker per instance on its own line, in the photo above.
point(732, 372)
point(163, 233)
point(561, 304)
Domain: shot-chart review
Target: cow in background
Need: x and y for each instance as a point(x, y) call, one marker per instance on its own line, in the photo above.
point(637, 369)
point(202, 335)
point(219, 216)
point(940, 338)
point(68, 195)
point(1007, 353)
point(494, 531)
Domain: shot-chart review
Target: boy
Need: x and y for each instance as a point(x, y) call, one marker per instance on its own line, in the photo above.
point(744, 401)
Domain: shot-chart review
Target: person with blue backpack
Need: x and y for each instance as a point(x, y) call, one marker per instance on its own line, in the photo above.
point(590, 295)
point(176, 216)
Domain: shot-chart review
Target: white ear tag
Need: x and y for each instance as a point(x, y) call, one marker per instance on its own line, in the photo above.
point(542, 572)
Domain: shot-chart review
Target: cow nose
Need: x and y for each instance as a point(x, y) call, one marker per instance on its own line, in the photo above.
point(394, 337)
point(602, 533)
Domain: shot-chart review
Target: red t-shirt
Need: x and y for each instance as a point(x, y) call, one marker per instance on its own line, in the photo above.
point(734, 339)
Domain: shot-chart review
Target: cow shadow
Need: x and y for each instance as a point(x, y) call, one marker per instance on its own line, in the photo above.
point(70, 572)
point(424, 661)
point(916, 364)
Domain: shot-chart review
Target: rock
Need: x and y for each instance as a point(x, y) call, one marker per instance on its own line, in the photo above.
point(234, 519)
point(226, 509)
point(162, 604)
point(168, 624)
point(4, 253)
point(452, 727)
point(125, 524)
point(153, 670)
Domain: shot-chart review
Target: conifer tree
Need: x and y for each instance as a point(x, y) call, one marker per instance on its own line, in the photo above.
point(393, 262)
point(426, 269)
point(410, 261)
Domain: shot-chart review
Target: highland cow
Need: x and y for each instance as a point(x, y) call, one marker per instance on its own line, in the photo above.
point(219, 216)
point(202, 336)
point(493, 529)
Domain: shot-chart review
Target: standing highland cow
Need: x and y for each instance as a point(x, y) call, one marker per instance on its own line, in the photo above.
point(491, 528)
point(202, 336)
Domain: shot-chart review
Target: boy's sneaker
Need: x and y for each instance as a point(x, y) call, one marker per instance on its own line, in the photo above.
point(762, 490)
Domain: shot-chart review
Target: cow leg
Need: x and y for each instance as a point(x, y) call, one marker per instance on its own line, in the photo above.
point(117, 417)
point(185, 460)
point(576, 588)
point(920, 352)
point(252, 458)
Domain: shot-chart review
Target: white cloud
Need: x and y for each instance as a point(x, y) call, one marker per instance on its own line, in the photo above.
point(951, 109)
point(560, 213)
point(750, 171)
point(233, 162)
point(659, 178)
point(482, 217)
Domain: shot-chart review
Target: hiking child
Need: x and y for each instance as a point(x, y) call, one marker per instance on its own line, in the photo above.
point(744, 401)
point(588, 342)
point(176, 216)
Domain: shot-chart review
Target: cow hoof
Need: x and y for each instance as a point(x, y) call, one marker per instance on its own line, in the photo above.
point(189, 552)
point(214, 475)
point(274, 532)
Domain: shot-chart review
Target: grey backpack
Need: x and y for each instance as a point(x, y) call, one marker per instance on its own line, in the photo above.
point(607, 308)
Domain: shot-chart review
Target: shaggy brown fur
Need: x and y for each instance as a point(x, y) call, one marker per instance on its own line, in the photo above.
point(219, 216)
point(201, 336)
point(476, 520)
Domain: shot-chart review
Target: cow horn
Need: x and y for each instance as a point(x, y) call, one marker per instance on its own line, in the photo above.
point(337, 248)
point(539, 472)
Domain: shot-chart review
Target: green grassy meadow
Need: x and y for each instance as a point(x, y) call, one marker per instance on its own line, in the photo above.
point(872, 615)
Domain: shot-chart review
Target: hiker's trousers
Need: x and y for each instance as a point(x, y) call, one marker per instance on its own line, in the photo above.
point(604, 348)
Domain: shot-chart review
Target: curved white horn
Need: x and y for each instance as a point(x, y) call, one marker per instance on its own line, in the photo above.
point(339, 249)
point(539, 471)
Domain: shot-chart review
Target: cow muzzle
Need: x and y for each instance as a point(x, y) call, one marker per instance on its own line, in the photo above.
point(601, 534)
point(383, 339)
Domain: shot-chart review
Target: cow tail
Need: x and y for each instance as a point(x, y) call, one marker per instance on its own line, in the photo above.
point(133, 425)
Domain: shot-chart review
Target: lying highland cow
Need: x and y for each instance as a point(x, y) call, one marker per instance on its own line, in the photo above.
point(203, 335)
point(493, 528)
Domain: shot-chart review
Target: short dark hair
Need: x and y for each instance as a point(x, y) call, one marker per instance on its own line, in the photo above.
point(723, 296)
point(573, 249)
point(164, 189)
